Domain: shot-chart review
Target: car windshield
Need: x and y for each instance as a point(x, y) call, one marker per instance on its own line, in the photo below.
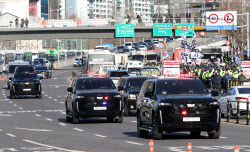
point(95, 83)
point(147, 40)
point(120, 47)
point(118, 74)
point(125, 50)
point(138, 57)
point(41, 68)
point(244, 90)
point(25, 76)
point(151, 57)
point(133, 70)
point(135, 83)
point(128, 44)
point(171, 87)
point(36, 62)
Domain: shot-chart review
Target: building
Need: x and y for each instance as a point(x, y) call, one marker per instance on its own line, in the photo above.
point(45, 9)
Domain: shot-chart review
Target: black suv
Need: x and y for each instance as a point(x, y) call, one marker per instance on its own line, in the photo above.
point(25, 84)
point(93, 97)
point(24, 69)
point(129, 88)
point(172, 105)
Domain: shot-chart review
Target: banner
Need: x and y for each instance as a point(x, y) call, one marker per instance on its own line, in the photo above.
point(32, 8)
point(95, 22)
point(59, 23)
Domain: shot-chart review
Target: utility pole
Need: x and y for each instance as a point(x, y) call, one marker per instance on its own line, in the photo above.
point(248, 35)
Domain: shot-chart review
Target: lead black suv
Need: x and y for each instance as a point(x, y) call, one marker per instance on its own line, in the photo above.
point(172, 105)
point(25, 84)
point(129, 88)
point(93, 97)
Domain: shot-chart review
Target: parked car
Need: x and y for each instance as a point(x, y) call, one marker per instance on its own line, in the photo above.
point(142, 48)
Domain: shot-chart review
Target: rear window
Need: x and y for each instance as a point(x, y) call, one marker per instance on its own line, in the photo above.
point(89, 84)
point(24, 69)
point(120, 47)
point(244, 90)
point(12, 68)
point(128, 44)
point(25, 76)
point(186, 87)
point(36, 62)
point(118, 74)
point(41, 68)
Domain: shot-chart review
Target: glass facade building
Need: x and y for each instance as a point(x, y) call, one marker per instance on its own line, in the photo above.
point(45, 9)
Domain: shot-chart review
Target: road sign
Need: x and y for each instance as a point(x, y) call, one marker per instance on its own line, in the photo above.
point(223, 20)
point(202, 33)
point(184, 28)
point(227, 42)
point(162, 29)
point(124, 30)
point(160, 46)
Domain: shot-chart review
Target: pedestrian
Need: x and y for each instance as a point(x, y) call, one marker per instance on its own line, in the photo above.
point(226, 77)
point(154, 19)
point(112, 21)
point(22, 23)
point(139, 19)
point(126, 20)
point(160, 19)
point(129, 19)
point(217, 81)
point(196, 20)
point(26, 22)
point(200, 21)
point(242, 77)
point(16, 21)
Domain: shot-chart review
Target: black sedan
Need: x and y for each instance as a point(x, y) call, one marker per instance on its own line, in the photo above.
point(43, 71)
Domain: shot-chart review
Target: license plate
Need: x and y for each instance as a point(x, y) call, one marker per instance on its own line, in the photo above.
point(190, 105)
point(190, 119)
point(99, 98)
point(26, 89)
point(100, 108)
point(27, 83)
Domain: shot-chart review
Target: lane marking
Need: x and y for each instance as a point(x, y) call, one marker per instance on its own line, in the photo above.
point(223, 137)
point(100, 135)
point(5, 115)
point(134, 121)
point(50, 97)
point(78, 129)
point(11, 135)
point(54, 99)
point(41, 130)
point(58, 148)
point(62, 124)
point(49, 119)
point(37, 115)
point(20, 107)
point(10, 101)
point(61, 102)
point(130, 142)
point(42, 92)
point(1, 130)
point(4, 94)
point(46, 95)
point(15, 105)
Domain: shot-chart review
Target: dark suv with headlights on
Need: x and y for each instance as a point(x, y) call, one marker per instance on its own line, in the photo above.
point(173, 105)
point(93, 97)
point(25, 84)
point(129, 88)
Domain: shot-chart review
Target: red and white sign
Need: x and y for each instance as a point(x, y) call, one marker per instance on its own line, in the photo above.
point(202, 33)
point(213, 18)
point(227, 42)
point(184, 28)
point(229, 18)
point(171, 63)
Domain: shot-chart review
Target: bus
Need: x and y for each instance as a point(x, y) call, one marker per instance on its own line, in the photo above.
point(22, 55)
point(38, 54)
point(52, 55)
point(5, 58)
point(99, 58)
point(145, 57)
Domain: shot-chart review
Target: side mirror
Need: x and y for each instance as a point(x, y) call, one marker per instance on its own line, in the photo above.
point(214, 93)
point(70, 89)
point(120, 88)
point(148, 94)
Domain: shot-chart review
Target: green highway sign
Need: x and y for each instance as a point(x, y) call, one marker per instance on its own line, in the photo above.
point(124, 30)
point(162, 29)
point(184, 28)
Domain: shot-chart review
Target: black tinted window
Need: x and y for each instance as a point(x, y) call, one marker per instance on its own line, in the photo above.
point(25, 76)
point(244, 90)
point(138, 57)
point(170, 87)
point(36, 62)
point(86, 84)
point(41, 68)
point(12, 68)
point(118, 74)
point(135, 83)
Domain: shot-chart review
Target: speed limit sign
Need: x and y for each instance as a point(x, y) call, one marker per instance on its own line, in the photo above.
point(227, 42)
point(202, 33)
point(213, 18)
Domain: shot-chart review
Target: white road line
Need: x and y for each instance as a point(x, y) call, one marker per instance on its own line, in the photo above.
point(4, 94)
point(49, 119)
point(223, 137)
point(46, 95)
point(62, 124)
point(15, 105)
point(130, 142)
point(50, 97)
point(5, 115)
point(20, 107)
point(134, 121)
point(1, 130)
point(11, 135)
point(7, 99)
point(37, 115)
point(41, 130)
point(54, 99)
point(78, 129)
point(42, 92)
point(61, 102)
point(10, 102)
point(100, 135)
point(48, 146)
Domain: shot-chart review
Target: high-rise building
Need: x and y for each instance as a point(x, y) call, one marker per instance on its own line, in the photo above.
point(45, 9)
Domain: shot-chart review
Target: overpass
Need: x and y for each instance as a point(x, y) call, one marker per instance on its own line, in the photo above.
point(80, 33)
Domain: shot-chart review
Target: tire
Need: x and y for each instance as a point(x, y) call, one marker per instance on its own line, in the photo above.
point(12, 96)
point(68, 119)
point(8, 86)
point(126, 113)
point(195, 134)
point(75, 118)
point(141, 133)
point(110, 118)
point(120, 119)
point(157, 134)
point(215, 135)
point(40, 95)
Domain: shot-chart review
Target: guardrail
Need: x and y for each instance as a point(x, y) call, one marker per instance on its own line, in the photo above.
point(238, 117)
point(63, 63)
point(233, 82)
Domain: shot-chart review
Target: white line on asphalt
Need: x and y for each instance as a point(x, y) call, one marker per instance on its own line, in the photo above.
point(78, 129)
point(48, 119)
point(10, 102)
point(62, 124)
point(134, 121)
point(1, 130)
point(20, 107)
point(100, 135)
point(61, 102)
point(54, 99)
point(37, 115)
point(58, 96)
point(11, 135)
point(42, 130)
point(50, 97)
point(7, 99)
point(223, 137)
point(5, 115)
point(46, 95)
point(48, 146)
point(42, 92)
point(4, 94)
point(15, 105)
point(130, 142)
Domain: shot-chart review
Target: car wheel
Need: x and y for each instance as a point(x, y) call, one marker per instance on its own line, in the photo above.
point(215, 135)
point(75, 118)
point(195, 134)
point(39, 96)
point(8, 86)
point(126, 113)
point(157, 134)
point(110, 118)
point(120, 119)
point(68, 118)
point(12, 96)
point(141, 133)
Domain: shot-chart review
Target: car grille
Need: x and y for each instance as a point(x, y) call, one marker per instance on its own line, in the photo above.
point(26, 84)
point(198, 109)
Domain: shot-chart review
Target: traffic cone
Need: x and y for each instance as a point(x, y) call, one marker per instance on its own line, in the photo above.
point(6, 77)
point(151, 145)
point(189, 147)
point(236, 149)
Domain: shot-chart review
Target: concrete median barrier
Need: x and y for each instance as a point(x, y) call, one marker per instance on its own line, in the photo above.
point(64, 64)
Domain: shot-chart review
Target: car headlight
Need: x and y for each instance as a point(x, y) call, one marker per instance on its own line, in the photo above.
point(117, 96)
point(80, 97)
point(214, 103)
point(132, 96)
point(165, 104)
